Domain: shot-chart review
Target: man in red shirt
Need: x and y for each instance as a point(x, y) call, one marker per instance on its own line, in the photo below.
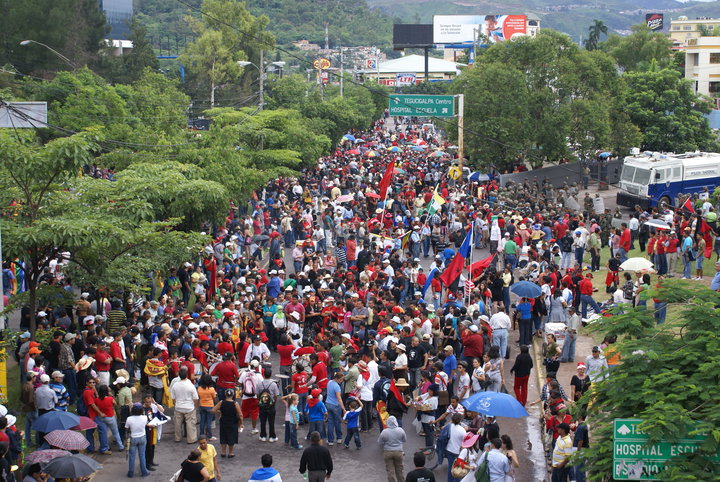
point(103, 361)
point(473, 343)
point(586, 290)
point(226, 372)
point(88, 397)
point(319, 374)
point(625, 242)
point(116, 352)
point(225, 346)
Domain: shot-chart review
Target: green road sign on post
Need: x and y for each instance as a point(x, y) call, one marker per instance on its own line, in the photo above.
point(634, 459)
point(422, 105)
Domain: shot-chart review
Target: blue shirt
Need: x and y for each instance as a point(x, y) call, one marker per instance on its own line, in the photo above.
point(273, 287)
point(352, 418)
point(332, 389)
point(715, 284)
point(525, 310)
point(317, 412)
point(449, 364)
point(687, 244)
point(498, 465)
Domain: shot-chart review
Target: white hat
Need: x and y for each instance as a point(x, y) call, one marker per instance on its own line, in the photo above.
point(484, 317)
point(11, 419)
point(346, 336)
point(295, 315)
point(289, 288)
point(187, 265)
point(3, 411)
point(44, 378)
point(401, 346)
point(254, 363)
point(473, 328)
point(355, 295)
point(119, 381)
point(42, 314)
point(203, 324)
point(84, 295)
point(88, 320)
point(395, 319)
point(393, 339)
point(70, 336)
point(57, 373)
point(193, 326)
point(273, 271)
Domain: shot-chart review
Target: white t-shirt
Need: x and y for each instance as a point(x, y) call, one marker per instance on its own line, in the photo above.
point(184, 393)
point(463, 382)
point(401, 360)
point(475, 382)
point(457, 434)
point(136, 425)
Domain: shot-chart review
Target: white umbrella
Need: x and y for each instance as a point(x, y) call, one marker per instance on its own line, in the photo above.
point(657, 223)
point(636, 264)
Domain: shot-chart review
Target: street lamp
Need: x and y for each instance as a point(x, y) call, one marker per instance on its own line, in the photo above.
point(261, 70)
point(25, 43)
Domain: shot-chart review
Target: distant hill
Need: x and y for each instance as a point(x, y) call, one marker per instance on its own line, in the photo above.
point(570, 16)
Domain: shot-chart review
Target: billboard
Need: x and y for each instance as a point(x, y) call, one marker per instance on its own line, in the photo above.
point(409, 36)
point(402, 80)
point(654, 21)
point(464, 29)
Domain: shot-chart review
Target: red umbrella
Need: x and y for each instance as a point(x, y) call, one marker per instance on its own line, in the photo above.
point(353, 152)
point(373, 195)
point(86, 423)
point(67, 439)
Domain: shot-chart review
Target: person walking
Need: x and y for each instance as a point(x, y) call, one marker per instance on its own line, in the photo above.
point(521, 369)
point(561, 454)
point(335, 409)
point(268, 393)
point(207, 396)
point(185, 396)
point(391, 440)
point(454, 444)
point(208, 457)
point(316, 460)
point(267, 473)
point(420, 474)
point(135, 427)
point(229, 416)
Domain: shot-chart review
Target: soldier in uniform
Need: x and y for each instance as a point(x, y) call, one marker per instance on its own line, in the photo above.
point(605, 222)
point(589, 206)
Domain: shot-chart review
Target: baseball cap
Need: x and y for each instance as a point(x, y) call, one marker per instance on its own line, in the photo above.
point(44, 378)
point(595, 348)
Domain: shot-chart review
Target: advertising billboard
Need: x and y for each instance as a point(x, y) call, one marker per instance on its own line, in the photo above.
point(405, 79)
point(464, 29)
point(654, 21)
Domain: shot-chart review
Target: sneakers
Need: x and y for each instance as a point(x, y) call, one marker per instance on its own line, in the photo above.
point(346, 446)
point(273, 439)
point(330, 444)
point(299, 447)
point(107, 452)
point(263, 439)
point(213, 439)
point(255, 431)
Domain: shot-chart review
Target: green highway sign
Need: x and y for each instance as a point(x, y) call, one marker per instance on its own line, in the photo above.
point(634, 458)
point(422, 105)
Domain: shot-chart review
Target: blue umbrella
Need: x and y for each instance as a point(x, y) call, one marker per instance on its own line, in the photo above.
point(418, 148)
point(526, 289)
point(55, 420)
point(496, 404)
point(604, 155)
point(477, 176)
point(393, 149)
point(349, 137)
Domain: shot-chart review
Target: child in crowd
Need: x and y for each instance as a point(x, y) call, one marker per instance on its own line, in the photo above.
point(292, 420)
point(351, 418)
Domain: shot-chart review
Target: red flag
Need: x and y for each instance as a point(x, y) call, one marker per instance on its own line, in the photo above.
point(707, 234)
point(477, 268)
point(396, 392)
point(455, 268)
point(688, 205)
point(385, 182)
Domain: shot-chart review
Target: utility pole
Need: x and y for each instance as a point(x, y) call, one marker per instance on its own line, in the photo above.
point(261, 68)
point(341, 71)
point(461, 151)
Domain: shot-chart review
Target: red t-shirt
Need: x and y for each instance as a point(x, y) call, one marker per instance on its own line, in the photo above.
point(324, 357)
point(473, 344)
point(586, 287)
point(241, 351)
point(106, 406)
point(300, 380)
point(224, 347)
point(319, 371)
point(227, 374)
point(102, 361)
point(89, 398)
point(115, 351)
point(285, 352)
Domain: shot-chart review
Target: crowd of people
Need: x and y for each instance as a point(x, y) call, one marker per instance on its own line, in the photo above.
point(353, 333)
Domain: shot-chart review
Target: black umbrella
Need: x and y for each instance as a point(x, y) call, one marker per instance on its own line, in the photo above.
point(71, 466)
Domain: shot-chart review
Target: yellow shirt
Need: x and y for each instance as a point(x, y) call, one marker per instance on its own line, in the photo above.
point(206, 457)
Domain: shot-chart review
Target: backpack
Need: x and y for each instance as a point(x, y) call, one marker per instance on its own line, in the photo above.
point(482, 473)
point(266, 403)
point(628, 290)
point(249, 386)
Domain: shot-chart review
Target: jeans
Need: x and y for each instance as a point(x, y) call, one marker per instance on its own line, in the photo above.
point(568, 349)
point(506, 300)
point(291, 435)
point(660, 312)
point(579, 255)
point(578, 472)
point(394, 465)
point(594, 260)
point(30, 418)
point(623, 255)
point(206, 419)
point(71, 384)
point(414, 377)
point(662, 264)
point(366, 416)
point(500, 339)
point(426, 246)
point(157, 394)
point(322, 246)
point(317, 426)
point(584, 301)
point(560, 474)
point(566, 261)
point(102, 435)
point(334, 423)
point(137, 445)
point(297, 265)
point(687, 266)
point(451, 457)
point(352, 433)
point(112, 426)
point(511, 259)
point(526, 327)
point(267, 417)
point(302, 401)
point(429, 435)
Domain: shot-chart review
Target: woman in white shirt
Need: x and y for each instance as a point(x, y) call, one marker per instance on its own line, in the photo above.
point(135, 427)
point(478, 376)
point(470, 453)
point(427, 405)
point(454, 445)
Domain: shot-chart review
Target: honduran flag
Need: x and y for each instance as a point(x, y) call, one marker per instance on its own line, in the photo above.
point(455, 268)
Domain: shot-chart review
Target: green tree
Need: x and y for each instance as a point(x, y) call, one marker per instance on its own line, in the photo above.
point(637, 50)
point(661, 103)
point(595, 30)
point(31, 175)
point(126, 69)
point(666, 378)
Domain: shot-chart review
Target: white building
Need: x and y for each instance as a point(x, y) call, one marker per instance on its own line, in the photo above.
point(438, 69)
point(702, 64)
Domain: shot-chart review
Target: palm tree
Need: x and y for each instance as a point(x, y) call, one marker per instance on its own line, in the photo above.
point(596, 30)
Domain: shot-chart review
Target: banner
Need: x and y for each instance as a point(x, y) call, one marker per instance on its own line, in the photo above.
point(465, 29)
point(405, 79)
point(654, 21)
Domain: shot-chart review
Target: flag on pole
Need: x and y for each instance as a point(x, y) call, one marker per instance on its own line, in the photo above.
point(435, 203)
point(405, 239)
point(477, 268)
point(688, 205)
point(707, 234)
point(457, 264)
point(385, 182)
point(428, 282)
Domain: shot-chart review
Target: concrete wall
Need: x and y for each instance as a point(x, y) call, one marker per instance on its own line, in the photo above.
point(606, 171)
